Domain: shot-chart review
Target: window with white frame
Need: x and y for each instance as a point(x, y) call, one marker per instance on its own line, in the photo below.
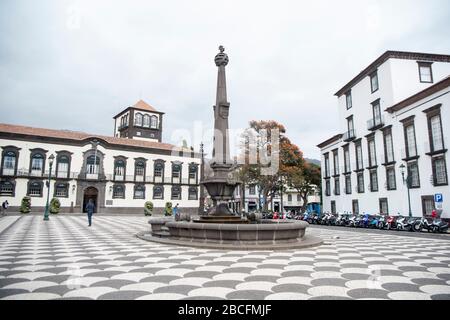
point(146, 120)
point(92, 164)
point(359, 156)
point(374, 82)
point(140, 168)
point(119, 168)
point(158, 170)
point(138, 119)
point(139, 192)
point(158, 192)
point(440, 171)
point(35, 189)
point(6, 188)
point(410, 141)
point(372, 152)
point(425, 72)
point(390, 177)
point(154, 122)
point(413, 174)
point(62, 166)
point(193, 193)
point(61, 190)
point(389, 147)
point(9, 163)
point(436, 133)
point(118, 192)
point(176, 193)
point(37, 163)
point(348, 100)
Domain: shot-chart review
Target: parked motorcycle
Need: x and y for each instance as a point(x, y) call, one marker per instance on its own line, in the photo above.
point(405, 223)
point(440, 226)
point(423, 223)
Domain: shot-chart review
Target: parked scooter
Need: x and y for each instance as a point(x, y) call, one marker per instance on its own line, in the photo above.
point(374, 220)
point(440, 226)
point(423, 223)
point(382, 222)
point(405, 223)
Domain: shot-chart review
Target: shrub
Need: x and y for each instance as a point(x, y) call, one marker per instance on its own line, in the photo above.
point(55, 204)
point(25, 206)
point(148, 208)
point(168, 209)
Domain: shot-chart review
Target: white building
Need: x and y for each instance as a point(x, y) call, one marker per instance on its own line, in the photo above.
point(120, 173)
point(290, 200)
point(395, 113)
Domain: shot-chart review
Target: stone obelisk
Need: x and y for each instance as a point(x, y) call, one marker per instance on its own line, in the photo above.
point(219, 185)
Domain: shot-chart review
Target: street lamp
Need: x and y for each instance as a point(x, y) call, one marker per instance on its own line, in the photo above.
point(201, 208)
point(408, 185)
point(50, 161)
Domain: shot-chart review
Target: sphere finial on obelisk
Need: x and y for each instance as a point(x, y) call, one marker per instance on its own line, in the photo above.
point(221, 58)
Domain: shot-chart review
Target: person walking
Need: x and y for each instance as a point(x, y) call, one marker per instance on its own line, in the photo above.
point(5, 205)
point(90, 208)
point(175, 213)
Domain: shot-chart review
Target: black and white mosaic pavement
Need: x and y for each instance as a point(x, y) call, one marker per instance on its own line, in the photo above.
point(64, 259)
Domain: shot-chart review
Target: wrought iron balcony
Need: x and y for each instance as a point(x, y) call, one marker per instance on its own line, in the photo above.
point(375, 123)
point(349, 135)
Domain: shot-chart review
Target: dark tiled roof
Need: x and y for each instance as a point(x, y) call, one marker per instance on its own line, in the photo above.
point(329, 141)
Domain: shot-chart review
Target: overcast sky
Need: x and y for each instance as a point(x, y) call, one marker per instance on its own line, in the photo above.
point(75, 64)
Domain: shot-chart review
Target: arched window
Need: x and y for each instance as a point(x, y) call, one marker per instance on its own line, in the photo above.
point(154, 122)
point(118, 192)
point(139, 170)
point(7, 188)
point(37, 164)
point(193, 193)
point(158, 192)
point(146, 120)
point(176, 171)
point(159, 169)
point(138, 119)
point(35, 189)
point(62, 190)
point(139, 192)
point(119, 169)
point(193, 171)
point(9, 163)
point(92, 164)
point(176, 193)
point(62, 166)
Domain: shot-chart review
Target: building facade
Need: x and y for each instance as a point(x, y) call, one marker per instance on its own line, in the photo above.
point(290, 200)
point(120, 173)
point(394, 117)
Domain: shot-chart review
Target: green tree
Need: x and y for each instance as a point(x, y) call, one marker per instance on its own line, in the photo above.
point(260, 153)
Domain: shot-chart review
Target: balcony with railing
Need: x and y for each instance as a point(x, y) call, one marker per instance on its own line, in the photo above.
point(349, 135)
point(375, 123)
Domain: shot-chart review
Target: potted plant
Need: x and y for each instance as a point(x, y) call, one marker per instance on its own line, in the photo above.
point(148, 208)
point(25, 206)
point(55, 205)
point(168, 209)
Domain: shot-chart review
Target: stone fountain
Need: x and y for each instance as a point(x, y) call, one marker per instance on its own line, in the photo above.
point(220, 228)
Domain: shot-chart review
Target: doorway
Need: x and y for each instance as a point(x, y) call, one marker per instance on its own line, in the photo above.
point(90, 193)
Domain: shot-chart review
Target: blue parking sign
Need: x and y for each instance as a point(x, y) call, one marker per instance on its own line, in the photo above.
point(438, 198)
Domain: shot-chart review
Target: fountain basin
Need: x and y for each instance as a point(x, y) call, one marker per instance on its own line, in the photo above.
point(266, 235)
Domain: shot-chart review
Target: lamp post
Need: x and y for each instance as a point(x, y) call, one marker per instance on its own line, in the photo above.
point(50, 159)
point(408, 185)
point(201, 208)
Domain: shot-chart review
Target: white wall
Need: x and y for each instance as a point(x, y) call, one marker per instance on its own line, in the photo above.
point(76, 164)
